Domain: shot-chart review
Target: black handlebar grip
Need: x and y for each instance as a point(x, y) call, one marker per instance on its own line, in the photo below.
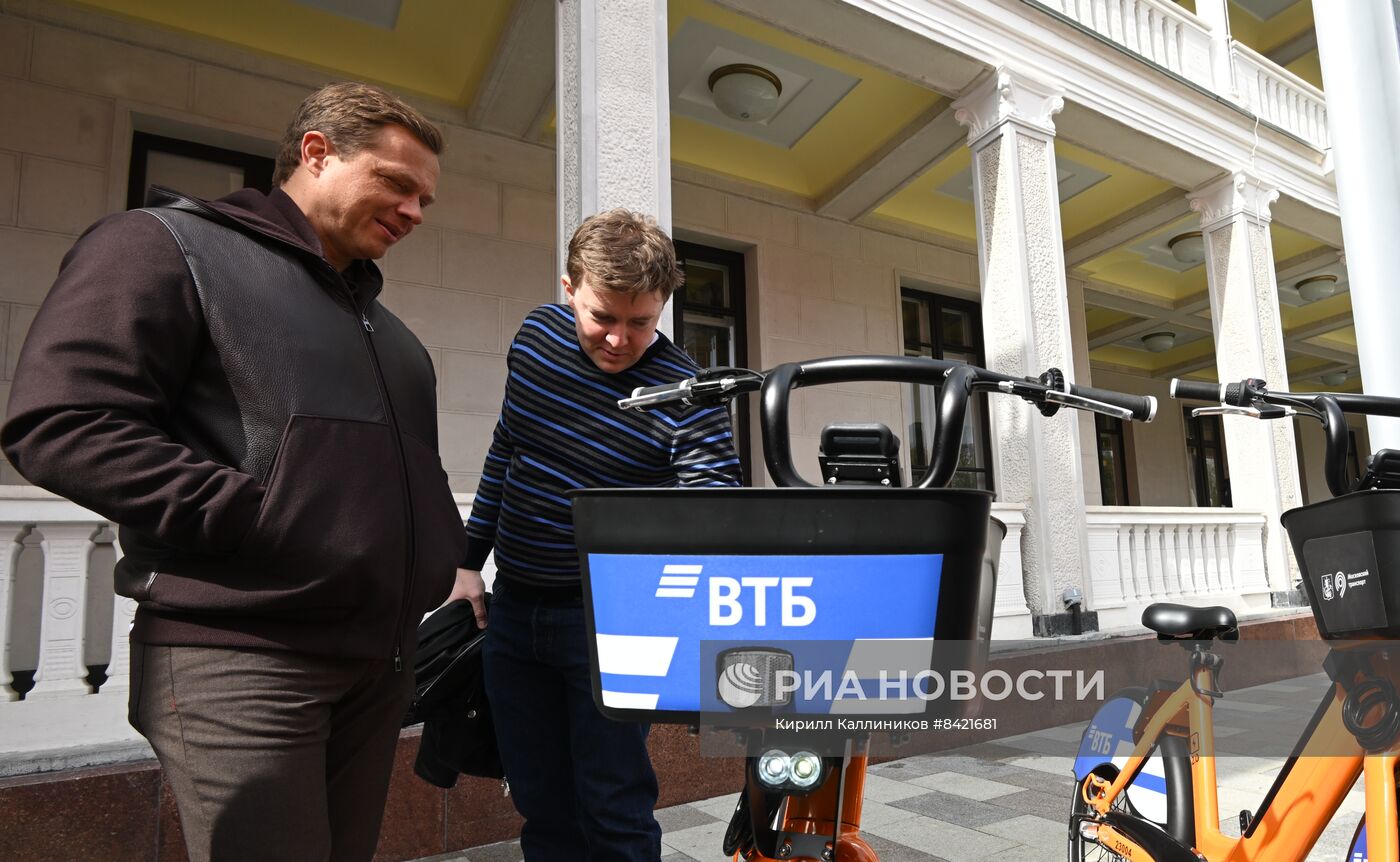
point(1194, 390)
point(1143, 407)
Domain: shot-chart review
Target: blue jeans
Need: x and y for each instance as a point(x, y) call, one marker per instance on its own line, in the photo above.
point(583, 783)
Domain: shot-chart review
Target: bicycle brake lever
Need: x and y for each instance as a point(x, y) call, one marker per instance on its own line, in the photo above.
point(1225, 410)
point(1269, 411)
point(1079, 401)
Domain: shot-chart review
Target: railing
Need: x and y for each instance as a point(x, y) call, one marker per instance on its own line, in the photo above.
point(63, 637)
point(64, 655)
point(1159, 30)
point(1141, 555)
point(1279, 97)
point(1011, 619)
point(1163, 33)
point(65, 633)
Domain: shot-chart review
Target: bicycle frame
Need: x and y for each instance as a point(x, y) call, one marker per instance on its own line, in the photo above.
point(1302, 802)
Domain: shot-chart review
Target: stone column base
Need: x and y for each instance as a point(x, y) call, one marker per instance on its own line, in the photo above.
point(1055, 625)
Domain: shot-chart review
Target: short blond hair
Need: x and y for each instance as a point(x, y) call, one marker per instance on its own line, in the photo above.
point(625, 252)
point(350, 115)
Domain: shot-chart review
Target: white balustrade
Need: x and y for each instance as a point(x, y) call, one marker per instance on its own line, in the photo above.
point(1011, 619)
point(1279, 97)
point(54, 611)
point(1139, 555)
point(1167, 35)
point(1158, 30)
point(48, 549)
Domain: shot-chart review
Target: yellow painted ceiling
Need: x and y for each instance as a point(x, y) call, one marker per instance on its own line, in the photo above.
point(1098, 319)
point(921, 203)
point(875, 109)
point(1127, 268)
point(1295, 316)
point(1308, 67)
point(1124, 189)
point(1264, 36)
point(439, 48)
point(1152, 363)
point(1289, 243)
point(1343, 339)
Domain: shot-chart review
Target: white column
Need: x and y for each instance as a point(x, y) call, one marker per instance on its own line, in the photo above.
point(1249, 343)
point(1216, 13)
point(1359, 48)
point(1025, 320)
point(1088, 431)
point(614, 138)
point(61, 671)
point(9, 555)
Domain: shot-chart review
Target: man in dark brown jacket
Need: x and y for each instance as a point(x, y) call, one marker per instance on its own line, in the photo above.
point(218, 379)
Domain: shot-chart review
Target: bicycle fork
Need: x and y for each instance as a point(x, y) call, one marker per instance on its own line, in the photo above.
point(823, 826)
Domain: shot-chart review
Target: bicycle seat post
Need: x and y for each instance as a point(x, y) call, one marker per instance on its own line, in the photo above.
point(1205, 669)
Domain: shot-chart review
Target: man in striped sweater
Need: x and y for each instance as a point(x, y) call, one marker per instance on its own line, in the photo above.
point(583, 783)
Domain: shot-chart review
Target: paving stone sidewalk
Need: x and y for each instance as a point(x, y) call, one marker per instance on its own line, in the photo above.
point(1007, 800)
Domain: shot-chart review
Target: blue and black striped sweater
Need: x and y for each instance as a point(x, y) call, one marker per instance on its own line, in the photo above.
point(561, 428)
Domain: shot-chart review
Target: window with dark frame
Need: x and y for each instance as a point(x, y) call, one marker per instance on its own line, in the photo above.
point(1205, 450)
point(200, 170)
point(1113, 460)
point(941, 327)
point(709, 323)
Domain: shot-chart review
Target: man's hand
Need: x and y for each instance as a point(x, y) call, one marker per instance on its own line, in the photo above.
point(469, 586)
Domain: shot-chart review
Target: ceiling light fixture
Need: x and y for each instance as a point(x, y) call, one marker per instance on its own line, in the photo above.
point(1334, 378)
point(1159, 342)
point(1188, 247)
point(744, 91)
point(1317, 287)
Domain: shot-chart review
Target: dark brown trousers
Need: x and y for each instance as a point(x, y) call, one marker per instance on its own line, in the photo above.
point(272, 755)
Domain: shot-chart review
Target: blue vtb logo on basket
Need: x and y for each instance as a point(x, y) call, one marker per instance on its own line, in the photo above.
point(652, 612)
point(764, 597)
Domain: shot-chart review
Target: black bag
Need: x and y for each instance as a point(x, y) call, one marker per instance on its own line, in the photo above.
point(449, 698)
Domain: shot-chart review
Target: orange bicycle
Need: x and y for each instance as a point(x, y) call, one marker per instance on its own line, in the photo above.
point(1160, 802)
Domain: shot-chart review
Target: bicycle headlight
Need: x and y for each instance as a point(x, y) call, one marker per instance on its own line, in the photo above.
point(774, 768)
point(805, 769)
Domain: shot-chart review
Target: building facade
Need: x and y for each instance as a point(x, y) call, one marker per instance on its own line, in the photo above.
point(1127, 190)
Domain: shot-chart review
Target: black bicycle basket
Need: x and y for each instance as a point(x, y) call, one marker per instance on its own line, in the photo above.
point(677, 580)
point(1349, 551)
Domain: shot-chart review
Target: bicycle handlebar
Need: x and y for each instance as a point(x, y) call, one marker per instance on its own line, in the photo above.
point(1251, 397)
point(957, 380)
point(1142, 407)
point(1194, 390)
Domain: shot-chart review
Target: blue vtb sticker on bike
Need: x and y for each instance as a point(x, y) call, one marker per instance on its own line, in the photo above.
point(1108, 736)
point(1109, 740)
point(1359, 853)
point(651, 612)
